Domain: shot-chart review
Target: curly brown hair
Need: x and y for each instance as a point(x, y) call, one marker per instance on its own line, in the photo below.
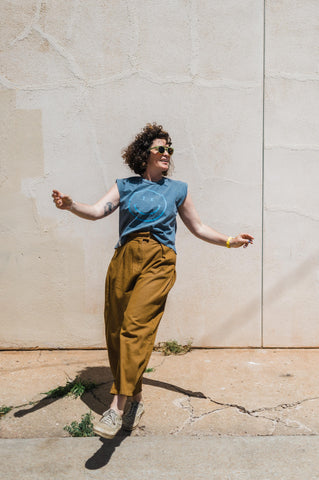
point(137, 153)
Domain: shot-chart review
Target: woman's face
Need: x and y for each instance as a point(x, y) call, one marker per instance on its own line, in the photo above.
point(156, 160)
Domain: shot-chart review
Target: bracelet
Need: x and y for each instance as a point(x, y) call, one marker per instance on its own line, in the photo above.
point(228, 240)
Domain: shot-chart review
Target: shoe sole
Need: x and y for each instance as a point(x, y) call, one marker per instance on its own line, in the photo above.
point(103, 434)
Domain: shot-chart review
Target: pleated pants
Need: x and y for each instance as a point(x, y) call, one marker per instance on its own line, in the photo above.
point(139, 278)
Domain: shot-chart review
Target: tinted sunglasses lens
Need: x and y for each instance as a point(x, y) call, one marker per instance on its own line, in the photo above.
point(162, 149)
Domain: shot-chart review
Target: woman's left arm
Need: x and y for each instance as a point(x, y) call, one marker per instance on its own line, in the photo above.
point(190, 217)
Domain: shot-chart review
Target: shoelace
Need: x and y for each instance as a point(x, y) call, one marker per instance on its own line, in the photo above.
point(109, 417)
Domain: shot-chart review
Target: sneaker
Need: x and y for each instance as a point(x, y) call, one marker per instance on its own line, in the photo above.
point(109, 424)
point(132, 417)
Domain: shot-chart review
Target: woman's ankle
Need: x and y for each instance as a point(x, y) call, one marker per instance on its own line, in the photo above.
point(119, 412)
point(118, 403)
point(138, 398)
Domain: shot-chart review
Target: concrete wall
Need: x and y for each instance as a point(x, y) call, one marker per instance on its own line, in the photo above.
point(236, 85)
point(291, 201)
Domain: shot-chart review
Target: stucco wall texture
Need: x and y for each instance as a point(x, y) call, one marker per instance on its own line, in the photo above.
point(236, 85)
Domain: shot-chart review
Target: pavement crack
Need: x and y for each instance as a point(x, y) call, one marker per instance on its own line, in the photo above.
point(284, 406)
point(184, 404)
point(155, 367)
point(195, 418)
point(256, 413)
point(281, 406)
point(288, 423)
point(240, 408)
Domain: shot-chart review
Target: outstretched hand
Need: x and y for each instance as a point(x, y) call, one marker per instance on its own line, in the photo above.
point(242, 240)
point(62, 201)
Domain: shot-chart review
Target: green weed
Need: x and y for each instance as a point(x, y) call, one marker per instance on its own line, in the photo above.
point(4, 410)
point(149, 370)
point(84, 428)
point(76, 388)
point(172, 347)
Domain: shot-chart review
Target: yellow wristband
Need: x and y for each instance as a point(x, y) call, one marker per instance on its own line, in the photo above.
point(228, 240)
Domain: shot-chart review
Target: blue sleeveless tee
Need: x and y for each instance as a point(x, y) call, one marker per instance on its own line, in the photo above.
point(147, 206)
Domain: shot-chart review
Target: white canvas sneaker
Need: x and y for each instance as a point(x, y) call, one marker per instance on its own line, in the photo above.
point(132, 417)
point(109, 424)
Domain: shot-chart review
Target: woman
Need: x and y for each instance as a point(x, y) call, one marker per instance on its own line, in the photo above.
point(142, 270)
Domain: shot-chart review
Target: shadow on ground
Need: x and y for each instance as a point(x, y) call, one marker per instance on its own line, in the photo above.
point(98, 400)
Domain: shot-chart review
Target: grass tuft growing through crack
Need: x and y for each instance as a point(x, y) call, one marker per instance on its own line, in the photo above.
point(84, 428)
point(76, 388)
point(172, 347)
point(4, 410)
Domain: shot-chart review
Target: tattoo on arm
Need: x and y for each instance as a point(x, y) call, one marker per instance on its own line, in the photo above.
point(109, 207)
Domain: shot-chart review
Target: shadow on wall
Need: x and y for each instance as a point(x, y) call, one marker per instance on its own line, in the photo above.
point(271, 295)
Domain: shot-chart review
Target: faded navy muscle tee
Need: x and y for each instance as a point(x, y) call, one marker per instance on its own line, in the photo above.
point(147, 206)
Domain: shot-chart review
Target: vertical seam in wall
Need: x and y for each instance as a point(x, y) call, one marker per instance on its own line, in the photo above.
point(263, 184)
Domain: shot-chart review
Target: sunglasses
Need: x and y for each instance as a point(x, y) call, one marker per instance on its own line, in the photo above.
point(161, 149)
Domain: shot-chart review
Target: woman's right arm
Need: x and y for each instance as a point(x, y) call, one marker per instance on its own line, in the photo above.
point(102, 208)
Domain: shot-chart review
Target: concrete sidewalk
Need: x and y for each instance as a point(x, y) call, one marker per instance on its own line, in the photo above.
point(220, 414)
point(161, 458)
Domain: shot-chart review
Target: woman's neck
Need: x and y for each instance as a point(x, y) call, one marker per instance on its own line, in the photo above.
point(152, 176)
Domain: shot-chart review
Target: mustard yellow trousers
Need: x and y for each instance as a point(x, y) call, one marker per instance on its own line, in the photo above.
point(139, 278)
